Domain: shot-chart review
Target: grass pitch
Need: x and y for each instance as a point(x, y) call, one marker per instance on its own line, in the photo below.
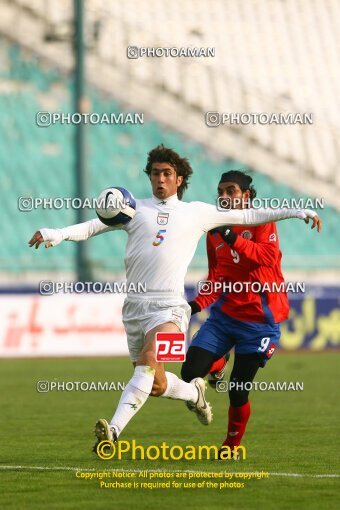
point(47, 436)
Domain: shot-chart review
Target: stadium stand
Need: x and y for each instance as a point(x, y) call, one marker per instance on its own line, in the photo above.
point(272, 57)
point(38, 162)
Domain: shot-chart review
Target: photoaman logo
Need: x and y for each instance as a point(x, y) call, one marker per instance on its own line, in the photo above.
point(120, 450)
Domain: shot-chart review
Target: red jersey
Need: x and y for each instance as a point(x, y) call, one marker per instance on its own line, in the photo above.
point(254, 257)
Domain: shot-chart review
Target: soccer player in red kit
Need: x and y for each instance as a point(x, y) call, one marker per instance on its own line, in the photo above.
point(248, 321)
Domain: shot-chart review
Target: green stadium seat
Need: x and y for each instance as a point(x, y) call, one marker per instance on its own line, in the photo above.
point(40, 162)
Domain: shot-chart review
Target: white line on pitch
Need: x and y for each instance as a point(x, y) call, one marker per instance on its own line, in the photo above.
point(68, 468)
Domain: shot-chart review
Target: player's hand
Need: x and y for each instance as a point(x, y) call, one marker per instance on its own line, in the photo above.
point(37, 240)
point(195, 307)
point(227, 234)
point(316, 222)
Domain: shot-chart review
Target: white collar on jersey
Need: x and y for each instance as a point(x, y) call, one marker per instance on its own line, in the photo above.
point(167, 201)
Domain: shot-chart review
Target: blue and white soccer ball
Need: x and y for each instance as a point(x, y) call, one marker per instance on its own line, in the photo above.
point(115, 206)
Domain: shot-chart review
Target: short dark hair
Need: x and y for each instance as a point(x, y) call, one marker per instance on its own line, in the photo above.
point(241, 178)
point(161, 154)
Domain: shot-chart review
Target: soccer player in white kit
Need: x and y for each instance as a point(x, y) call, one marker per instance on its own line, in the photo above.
point(162, 239)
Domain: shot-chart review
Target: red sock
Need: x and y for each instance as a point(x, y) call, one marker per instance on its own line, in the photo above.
point(238, 418)
point(217, 365)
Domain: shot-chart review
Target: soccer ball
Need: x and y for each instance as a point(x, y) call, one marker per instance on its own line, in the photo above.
point(115, 206)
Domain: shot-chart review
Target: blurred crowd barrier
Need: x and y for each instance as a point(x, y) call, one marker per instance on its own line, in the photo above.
point(91, 324)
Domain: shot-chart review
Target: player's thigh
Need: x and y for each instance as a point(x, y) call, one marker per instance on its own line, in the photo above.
point(257, 338)
point(132, 311)
point(214, 335)
point(148, 353)
point(143, 317)
point(245, 367)
point(148, 356)
point(163, 314)
point(172, 315)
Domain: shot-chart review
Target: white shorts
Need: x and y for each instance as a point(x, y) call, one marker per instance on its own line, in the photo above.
point(140, 315)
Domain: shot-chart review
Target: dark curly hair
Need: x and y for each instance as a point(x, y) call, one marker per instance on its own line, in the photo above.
point(242, 179)
point(161, 154)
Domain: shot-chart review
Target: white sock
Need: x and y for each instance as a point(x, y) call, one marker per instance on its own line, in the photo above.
point(179, 390)
point(133, 397)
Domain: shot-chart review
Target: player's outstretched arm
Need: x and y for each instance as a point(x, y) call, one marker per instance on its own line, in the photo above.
point(259, 216)
point(79, 232)
point(262, 216)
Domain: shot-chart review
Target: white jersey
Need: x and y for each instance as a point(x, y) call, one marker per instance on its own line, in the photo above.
point(163, 236)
